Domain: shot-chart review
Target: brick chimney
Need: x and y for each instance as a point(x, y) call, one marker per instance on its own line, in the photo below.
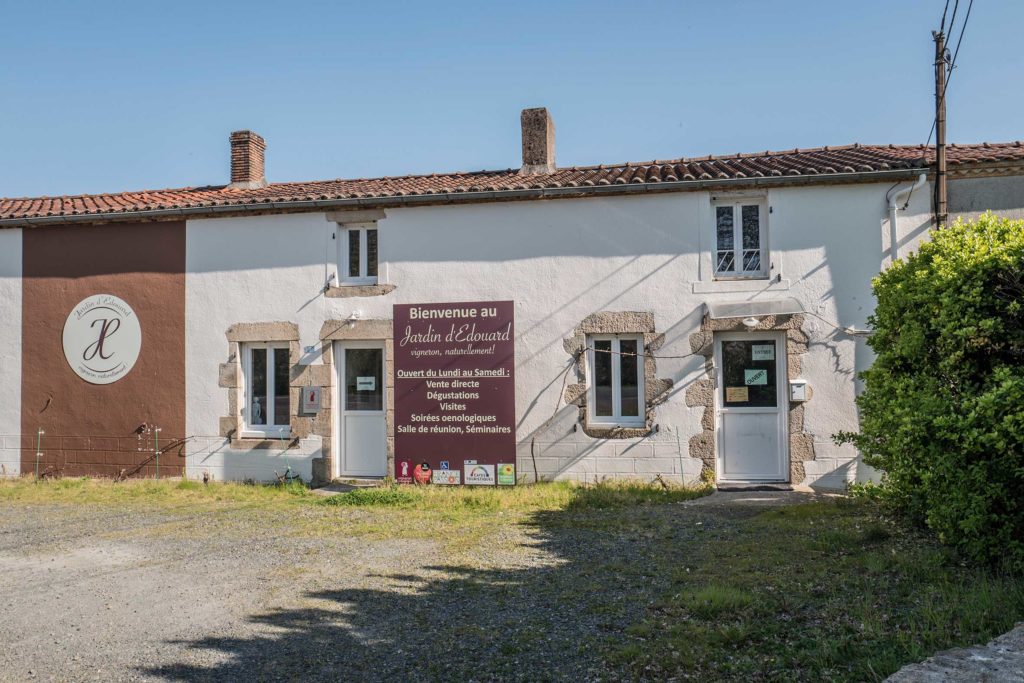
point(247, 150)
point(538, 141)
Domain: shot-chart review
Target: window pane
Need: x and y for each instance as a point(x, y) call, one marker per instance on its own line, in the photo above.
point(723, 222)
point(629, 378)
point(371, 253)
point(258, 395)
point(726, 262)
point(281, 416)
point(603, 378)
point(750, 381)
point(364, 385)
point(752, 260)
point(751, 227)
point(353, 253)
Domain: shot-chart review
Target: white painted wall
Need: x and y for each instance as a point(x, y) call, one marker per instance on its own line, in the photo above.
point(246, 270)
point(559, 261)
point(10, 351)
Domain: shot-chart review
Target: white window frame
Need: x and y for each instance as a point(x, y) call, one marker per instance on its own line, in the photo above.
point(343, 254)
point(737, 204)
point(269, 430)
point(616, 419)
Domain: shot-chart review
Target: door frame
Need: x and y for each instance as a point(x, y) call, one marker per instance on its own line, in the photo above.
point(782, 384)
point(337, 399)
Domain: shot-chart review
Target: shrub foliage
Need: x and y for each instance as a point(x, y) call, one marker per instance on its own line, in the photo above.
point(942, 413)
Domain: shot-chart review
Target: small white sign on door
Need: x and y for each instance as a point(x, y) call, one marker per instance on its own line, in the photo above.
point(755, 377)
point(366, 383)
point(762, 352)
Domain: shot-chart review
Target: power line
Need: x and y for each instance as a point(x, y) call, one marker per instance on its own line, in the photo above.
point(636, 354)
point(956, 51)
point(959, 40)
point(952, 19)
point(952, 65)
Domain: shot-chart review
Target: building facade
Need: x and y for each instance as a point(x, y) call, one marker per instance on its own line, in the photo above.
point(687, 318)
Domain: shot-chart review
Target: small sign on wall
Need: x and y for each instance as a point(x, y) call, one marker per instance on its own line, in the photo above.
point(478, 474)
point(310, 400)
point(506, 474)
point(447, 477)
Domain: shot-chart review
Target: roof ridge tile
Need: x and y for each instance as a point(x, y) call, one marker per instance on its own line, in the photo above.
point(828, 159)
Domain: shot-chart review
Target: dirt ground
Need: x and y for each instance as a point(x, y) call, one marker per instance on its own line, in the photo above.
point(110, 593)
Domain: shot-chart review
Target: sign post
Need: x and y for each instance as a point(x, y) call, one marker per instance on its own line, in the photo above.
point(455, 389)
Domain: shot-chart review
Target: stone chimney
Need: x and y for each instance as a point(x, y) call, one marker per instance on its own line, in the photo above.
point(247, 150)
point(538, 141)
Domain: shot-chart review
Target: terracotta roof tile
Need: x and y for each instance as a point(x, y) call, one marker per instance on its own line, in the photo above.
point(790, 163)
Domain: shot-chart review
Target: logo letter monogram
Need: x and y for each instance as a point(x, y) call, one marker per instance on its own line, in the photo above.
point(107, 328)
point(102, 339)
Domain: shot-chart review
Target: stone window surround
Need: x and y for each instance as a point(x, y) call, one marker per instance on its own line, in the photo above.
point(343, 291)
point(701, 394)
point(300, 375)
point(655, 389)
point(270, 430)
point(619, 419)
point(379, 330)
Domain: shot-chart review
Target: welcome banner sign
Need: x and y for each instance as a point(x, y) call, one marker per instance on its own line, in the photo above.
point(455, 387)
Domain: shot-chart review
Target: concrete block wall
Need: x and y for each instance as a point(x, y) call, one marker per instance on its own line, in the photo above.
point(606, 459)
point(215, 456)
point(10, 455)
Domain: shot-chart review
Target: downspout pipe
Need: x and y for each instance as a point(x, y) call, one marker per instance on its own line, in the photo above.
point(894, 207)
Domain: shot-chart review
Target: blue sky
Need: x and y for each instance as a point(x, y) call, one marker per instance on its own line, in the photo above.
point(108, 96)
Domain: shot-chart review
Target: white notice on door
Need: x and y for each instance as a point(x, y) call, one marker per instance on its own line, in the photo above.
point(366, 383)
point(762, 352)
point(754, 377)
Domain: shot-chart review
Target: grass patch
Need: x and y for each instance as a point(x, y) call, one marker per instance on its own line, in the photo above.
point(560, 495)
point(457, 517)
point(462, 517)
point(150, 492)
point(613, 495)
point(715, 600)
point(373, 497)
point(825, 591)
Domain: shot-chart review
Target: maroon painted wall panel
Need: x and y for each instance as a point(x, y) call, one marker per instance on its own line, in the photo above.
point(90, 428)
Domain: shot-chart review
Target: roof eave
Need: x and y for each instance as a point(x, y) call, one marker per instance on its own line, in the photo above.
point(465, 197)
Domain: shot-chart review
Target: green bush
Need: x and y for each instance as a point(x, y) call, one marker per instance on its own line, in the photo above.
point(942, 413)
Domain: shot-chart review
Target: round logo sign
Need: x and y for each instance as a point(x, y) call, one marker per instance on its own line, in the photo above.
point(102, 339)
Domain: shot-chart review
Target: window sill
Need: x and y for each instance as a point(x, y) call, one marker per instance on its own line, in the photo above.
point(351, 291)
point(741, 285)
point(612, 431)
point(248, 443)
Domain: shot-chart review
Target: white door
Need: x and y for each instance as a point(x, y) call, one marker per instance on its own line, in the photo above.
point(361, 442)
point(751, 406)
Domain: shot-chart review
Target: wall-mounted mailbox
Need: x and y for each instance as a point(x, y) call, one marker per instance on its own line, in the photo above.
point(310, 400)
point(797, 390)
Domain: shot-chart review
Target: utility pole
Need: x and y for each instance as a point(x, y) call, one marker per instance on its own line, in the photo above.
point(941, 196)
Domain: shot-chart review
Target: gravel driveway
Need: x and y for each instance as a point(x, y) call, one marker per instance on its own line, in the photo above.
point(97, 592)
